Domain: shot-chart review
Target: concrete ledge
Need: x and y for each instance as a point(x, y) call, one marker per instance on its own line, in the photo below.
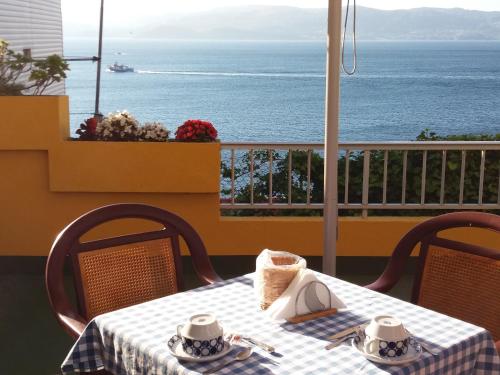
point(357, 236)
point(33, 122)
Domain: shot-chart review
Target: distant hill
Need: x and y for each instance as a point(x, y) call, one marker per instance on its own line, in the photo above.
point(246, 22)
point(290, 23)
point(428, 24)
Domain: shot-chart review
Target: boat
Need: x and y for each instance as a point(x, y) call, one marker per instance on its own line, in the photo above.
point(120, 68)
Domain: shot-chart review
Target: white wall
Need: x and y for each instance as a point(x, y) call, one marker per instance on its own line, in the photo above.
point(35, 24)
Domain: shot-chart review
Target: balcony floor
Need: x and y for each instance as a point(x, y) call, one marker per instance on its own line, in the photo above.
point(33, 343)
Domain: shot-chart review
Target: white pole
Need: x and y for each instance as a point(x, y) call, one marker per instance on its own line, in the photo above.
point(332, 101)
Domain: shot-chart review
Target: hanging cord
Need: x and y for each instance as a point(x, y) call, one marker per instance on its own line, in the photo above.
point(353, 70)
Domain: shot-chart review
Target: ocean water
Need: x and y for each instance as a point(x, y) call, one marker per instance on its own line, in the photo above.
point(274, 91)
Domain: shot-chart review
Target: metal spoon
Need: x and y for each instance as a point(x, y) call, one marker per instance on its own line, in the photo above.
point(240, 356)
point(359, 332)
point(426, 347)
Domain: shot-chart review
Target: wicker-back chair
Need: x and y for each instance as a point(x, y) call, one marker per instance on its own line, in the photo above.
point(120, 271)
point(455, 278)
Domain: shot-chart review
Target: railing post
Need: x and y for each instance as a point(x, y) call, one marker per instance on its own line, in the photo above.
point(443, 177)
point(270, 176)
point(424, 177)
point(384, 183)
point(346, 177)
point(289, 176)
point(462, 177)
point(481, 177)
point(251, 176)
point(308, 189)
point(232, 176)
point(498, 188)
point(403, 183)
point(366, 182)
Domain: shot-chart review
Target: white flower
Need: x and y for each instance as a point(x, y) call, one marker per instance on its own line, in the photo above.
point(116, 126)
point(153, 131)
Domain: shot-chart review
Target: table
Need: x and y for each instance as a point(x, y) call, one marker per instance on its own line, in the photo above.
point(134, 340)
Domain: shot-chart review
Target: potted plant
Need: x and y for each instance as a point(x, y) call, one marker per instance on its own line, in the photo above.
point(121, 127)
point(196, 131)
point(23, 81)
point(42, 72)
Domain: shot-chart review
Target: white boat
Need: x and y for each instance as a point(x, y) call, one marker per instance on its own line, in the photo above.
point(120, 68)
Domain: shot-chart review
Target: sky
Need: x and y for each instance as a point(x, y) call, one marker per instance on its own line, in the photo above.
point(117, 11)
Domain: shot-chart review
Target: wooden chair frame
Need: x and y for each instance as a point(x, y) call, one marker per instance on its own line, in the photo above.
point(426, 234)
point(68, 244)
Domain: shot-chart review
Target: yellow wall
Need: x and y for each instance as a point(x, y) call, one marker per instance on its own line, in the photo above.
point(47, 181)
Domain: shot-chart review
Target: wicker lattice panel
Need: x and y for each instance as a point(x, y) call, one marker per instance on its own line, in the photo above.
point(464, 286)
point(122, 276)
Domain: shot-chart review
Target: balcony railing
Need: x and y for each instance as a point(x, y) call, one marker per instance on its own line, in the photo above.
point(372, 176)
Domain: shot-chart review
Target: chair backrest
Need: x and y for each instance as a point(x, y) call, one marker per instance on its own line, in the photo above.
point(462, 284)
point(113, 277)
point(456, 278)
point(120, 271)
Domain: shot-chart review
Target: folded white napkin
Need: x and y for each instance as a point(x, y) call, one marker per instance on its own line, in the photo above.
point(284, 307)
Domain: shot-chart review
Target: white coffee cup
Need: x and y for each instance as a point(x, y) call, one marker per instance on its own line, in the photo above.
point(386, 337)
point(201, 335)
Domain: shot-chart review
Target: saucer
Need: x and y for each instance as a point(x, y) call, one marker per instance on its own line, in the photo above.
point(175, 348)
point(414, 352)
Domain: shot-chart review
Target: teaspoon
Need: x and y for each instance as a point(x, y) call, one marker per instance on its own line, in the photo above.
point(240, 356)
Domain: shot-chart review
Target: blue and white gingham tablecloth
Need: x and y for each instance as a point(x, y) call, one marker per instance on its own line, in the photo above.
point(134, 340)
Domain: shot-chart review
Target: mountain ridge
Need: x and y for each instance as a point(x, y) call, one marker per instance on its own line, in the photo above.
point(257, 22)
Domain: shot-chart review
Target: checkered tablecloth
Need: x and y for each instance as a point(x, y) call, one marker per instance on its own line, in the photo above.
point(134, 340)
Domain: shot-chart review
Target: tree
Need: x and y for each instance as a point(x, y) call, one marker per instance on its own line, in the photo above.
point(42, 72)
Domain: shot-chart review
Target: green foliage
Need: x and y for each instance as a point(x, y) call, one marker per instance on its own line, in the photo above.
point(280, 181)
point(427, 135)
point(46, 72)
point(12, 66)
point(394, 192)
point(42, 73)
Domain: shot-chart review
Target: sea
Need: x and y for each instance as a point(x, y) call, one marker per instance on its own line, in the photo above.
point(273, 91)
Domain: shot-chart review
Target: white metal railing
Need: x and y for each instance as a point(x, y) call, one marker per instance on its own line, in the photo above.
point(231, 152)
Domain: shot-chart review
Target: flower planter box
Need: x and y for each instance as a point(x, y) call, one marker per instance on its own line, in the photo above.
point(153, 167)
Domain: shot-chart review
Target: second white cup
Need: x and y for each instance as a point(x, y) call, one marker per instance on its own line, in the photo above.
point(386, 337)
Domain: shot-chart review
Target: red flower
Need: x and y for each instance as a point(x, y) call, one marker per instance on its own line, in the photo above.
point(196, 130)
